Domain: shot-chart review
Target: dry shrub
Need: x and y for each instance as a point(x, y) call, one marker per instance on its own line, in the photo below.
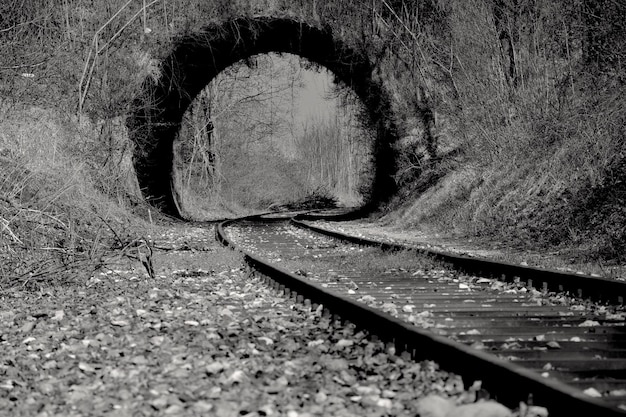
point(319, 198)
point(534, 100)
point(40, 237)
point(55, 220)
point(553, 182)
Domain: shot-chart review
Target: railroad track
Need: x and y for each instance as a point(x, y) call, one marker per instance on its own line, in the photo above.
point(566, 352)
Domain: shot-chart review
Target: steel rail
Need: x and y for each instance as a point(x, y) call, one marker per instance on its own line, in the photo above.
point(582, 286)
point(507, 382)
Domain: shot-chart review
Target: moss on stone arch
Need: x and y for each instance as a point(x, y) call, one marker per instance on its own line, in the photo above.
point(198, 57)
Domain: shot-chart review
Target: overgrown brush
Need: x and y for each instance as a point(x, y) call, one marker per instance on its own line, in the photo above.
point(58, 221)
point(531, 100)
point(319, 198)
point(42, 238)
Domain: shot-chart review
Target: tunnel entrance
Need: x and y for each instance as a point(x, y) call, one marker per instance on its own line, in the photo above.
point(198, 58)
point(273, 132)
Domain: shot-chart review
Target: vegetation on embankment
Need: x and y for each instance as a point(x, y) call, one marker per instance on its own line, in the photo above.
point(63, 211)
point(535, 128)
point(512, 112)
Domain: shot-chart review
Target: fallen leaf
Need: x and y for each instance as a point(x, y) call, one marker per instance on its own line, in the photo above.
point(589, 323)
point(384, 403)
point(58, 315)
point(85, 367)
point(592, 392)
point(408, 308)
point(28, 327)
point(389, 308)
point(120, 322)
point(236, 377)
point(335, 364)
point(266, 340)
point(478, 345)
point(173, 410)
point(214, 368)
point(278, 385)
point(481, 409)
point(157, 340)
point(139, 360)
point(367, 390)
point(321, 397)
point(7, 385)
point(202, 406)
point(344, 343)
point(434, 406)
point(533, 411)
point(388, 394)
point(159, 403)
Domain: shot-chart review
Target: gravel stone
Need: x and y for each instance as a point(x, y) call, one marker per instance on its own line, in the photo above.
point(202, 337)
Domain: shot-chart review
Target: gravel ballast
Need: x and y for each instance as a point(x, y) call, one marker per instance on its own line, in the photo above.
point(202, 338)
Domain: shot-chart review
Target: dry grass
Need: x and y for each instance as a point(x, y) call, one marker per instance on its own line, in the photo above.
point(56, 221)
point(555, 185)
point(541, 152)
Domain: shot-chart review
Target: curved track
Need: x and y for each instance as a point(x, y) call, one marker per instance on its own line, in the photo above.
point(544, 345)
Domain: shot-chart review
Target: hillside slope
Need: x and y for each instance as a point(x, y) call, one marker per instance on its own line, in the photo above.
point(539, 115)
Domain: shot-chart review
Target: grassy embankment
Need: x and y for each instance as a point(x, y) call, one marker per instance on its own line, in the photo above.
point(68, 197)
point(62, 215)
point(529, 130)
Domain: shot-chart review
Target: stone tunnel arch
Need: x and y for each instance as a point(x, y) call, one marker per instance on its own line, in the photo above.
point(198, 57)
